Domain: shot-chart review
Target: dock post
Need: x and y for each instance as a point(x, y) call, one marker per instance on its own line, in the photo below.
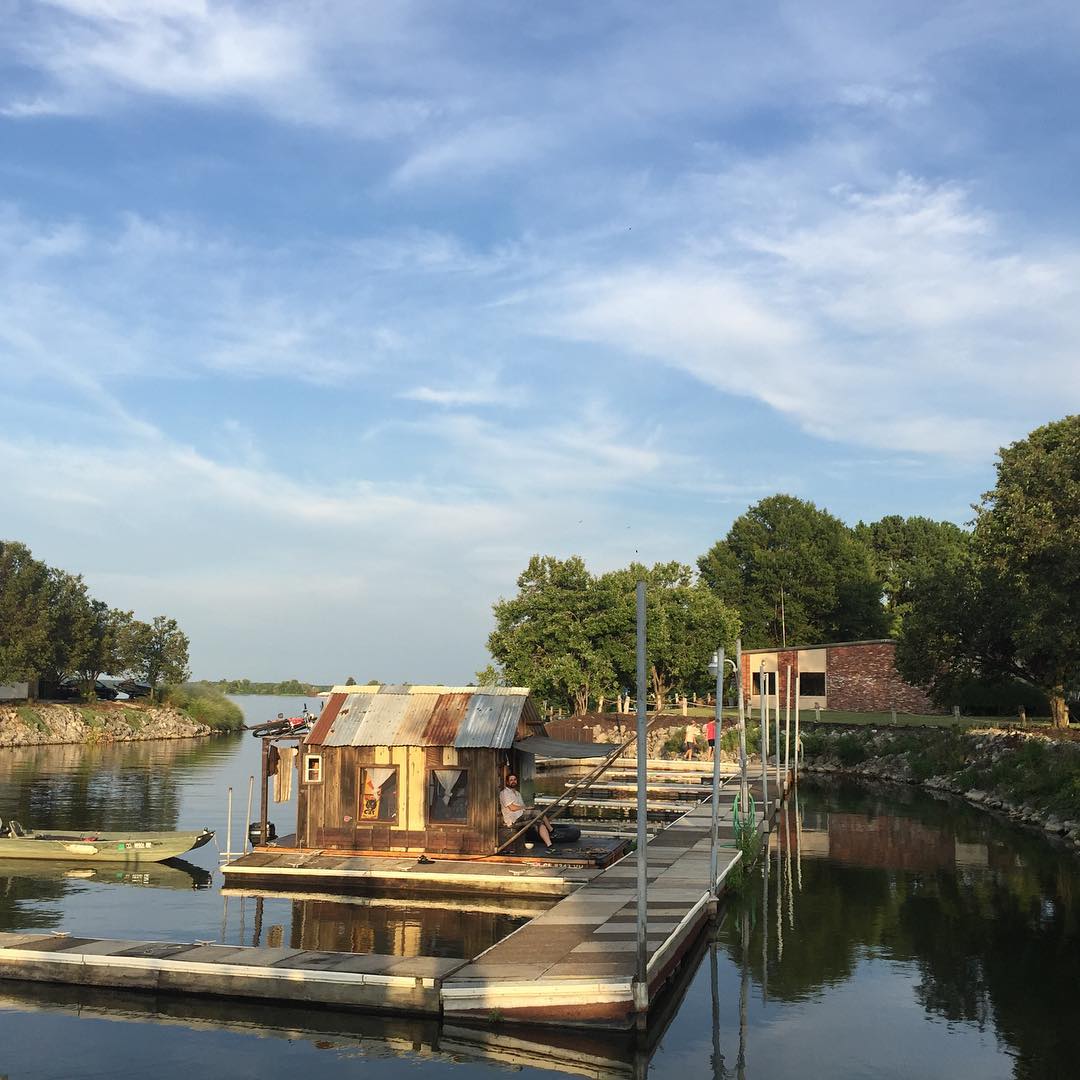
point(798, 752)
point(787, 728)
point(744, 787)
point(713, 838)
point(641, 971)
point(228, 827)
point(779, 781)
point(764, 718)
point(247, 820)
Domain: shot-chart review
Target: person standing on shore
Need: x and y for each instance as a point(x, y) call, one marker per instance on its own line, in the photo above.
point(710, 737)
point(690, 738)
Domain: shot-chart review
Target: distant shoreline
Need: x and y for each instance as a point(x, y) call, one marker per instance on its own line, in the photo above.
point(89, 725)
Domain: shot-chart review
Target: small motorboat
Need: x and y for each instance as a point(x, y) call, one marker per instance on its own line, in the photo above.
point(91, 846)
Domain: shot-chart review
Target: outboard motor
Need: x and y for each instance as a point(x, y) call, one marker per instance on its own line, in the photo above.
point(255, 828)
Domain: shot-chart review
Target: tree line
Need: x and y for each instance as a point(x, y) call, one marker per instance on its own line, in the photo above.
point(285, 688)
point(53, 631)
point(994, 603)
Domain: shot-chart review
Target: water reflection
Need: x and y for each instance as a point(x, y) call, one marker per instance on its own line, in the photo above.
point(975, 921)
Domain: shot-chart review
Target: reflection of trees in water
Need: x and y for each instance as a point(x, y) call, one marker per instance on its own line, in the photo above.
point(323, 925)
point(998, 947)
point(115, 786)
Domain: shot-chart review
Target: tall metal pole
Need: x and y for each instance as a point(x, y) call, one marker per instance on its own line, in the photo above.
point(247, 820)
point(744, 787)
point(641, 976)
point(713, 837)
point(779, 782)
point(797, 750)
point(787, 726)
point(764, 718)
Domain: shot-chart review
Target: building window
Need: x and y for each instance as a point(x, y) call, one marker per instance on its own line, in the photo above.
point(812, 683)
point(313, 768)
point(770, 683)
point(379, 793)
point(448, 796)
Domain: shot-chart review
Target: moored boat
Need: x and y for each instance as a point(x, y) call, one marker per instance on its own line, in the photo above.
point(93, 846)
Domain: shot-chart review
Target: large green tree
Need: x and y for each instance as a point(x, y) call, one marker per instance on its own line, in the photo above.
point(551, 635)
point(158, 652)
point(107, 646)
point(685, 623)
point(902, 550)
point(1007, 609)
point(24, 613)
point(796, 574)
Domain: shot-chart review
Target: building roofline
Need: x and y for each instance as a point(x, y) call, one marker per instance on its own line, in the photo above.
point(508, 691)
point(823, 645)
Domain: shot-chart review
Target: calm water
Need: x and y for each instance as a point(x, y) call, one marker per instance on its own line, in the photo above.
point(895, 936)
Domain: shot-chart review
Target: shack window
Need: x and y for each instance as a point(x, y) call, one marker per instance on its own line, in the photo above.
point(812, 683)
point(448, 796)
point(379, 793)
point(313, 768)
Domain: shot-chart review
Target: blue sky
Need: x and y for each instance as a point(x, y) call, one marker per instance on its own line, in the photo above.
point(318, 319)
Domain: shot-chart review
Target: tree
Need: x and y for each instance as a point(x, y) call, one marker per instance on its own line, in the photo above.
point(71, 619)
point(490, 676)
point(1007, 609)
point(685, 621)
point(902, 550)
point(159, 653)
point(796, 574)
point(24, 613)
point(106, 645)
point(551, 636)
point(350, 681)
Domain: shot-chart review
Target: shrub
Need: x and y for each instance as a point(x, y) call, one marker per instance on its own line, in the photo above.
point(675, 743)
point(850, 749)
point(206, 705)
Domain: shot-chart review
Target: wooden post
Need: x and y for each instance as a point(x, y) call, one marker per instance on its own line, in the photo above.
point(247, 818)
point(893, 713)
point(263, 796)
point(764, 718)
point(713, 834)
point(641, 973)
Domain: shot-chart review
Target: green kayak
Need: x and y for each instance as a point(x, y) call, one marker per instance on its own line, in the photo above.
point(92, 846)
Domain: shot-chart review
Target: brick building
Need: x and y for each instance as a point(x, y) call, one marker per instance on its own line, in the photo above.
point(847, 676)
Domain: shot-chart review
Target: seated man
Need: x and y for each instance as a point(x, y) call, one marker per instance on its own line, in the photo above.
point(513, 810)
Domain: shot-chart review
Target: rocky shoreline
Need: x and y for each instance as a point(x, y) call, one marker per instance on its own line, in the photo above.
point(57, 724)
point(985, 778)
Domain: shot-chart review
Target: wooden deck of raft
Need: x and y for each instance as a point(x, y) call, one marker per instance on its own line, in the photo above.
point(572, 966)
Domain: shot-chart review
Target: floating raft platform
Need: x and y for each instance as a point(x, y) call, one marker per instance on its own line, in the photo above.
point(570, 967)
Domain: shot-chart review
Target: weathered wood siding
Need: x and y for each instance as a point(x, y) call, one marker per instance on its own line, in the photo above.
point(328, 813)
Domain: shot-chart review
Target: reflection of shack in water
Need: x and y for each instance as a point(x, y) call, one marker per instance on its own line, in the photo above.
point(400, 930)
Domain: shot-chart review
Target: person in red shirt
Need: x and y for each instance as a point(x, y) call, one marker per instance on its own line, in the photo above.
point(710, 735)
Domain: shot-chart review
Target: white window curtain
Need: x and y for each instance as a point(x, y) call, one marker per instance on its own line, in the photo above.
point(378, 777)
point(448, 779)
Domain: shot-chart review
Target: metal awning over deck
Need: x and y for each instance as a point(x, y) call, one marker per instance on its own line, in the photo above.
point(542, 746)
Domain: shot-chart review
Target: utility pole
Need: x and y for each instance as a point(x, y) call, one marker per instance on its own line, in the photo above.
point(641, 973)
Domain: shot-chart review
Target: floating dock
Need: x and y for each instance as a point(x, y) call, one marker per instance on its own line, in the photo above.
point(572, 966)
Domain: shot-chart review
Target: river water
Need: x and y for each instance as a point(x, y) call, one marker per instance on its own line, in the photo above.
point(893, 936)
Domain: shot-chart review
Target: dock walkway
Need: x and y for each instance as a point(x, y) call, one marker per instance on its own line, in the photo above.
point(575, 963)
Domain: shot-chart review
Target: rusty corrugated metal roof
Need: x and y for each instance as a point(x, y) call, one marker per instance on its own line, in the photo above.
point(326, 719)
point(445, 719)
point(344, 729)
point(490, 720)
point(423, 716)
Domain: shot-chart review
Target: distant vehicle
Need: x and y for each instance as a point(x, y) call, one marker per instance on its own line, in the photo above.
point(72, 690)
point(134, 689)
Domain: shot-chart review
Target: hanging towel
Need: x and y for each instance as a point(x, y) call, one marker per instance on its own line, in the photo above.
point(283, 776)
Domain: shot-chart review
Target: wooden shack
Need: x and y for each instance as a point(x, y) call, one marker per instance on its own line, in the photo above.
point(412, 768)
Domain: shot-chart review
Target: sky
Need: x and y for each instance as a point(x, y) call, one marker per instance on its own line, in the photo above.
point(318, 319)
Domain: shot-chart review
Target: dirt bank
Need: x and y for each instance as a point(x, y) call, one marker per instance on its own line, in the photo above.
point(106, 721)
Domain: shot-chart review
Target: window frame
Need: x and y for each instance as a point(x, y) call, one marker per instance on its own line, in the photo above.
point(813, 693)
point(368, 821)
point(309, 759)
point(432, 785)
